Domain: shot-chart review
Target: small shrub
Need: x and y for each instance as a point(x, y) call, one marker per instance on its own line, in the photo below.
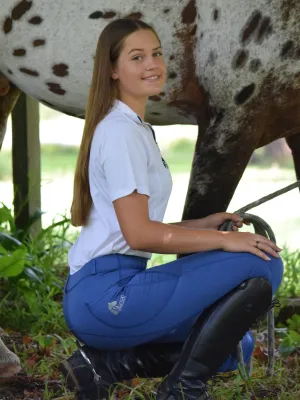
point(32, 275)
point(290, 286)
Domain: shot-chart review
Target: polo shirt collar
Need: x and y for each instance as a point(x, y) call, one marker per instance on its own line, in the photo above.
point(125, 109)
point(122, 107)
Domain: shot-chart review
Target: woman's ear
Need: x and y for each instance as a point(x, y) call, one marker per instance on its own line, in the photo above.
point(114, 75)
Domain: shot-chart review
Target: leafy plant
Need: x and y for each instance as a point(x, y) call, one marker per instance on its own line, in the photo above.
point(291, 341)
point(290, 286)
point(32, 275)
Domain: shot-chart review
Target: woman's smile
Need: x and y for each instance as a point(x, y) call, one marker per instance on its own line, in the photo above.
point(152, 78)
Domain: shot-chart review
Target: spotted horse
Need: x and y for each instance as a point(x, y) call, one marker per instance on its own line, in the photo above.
point(233, 70)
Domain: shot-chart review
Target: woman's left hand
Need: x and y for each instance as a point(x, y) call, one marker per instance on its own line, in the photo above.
point(214, 221)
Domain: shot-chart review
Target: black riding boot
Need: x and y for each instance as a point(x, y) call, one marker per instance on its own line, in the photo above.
point(214, 336)
point(93, 374)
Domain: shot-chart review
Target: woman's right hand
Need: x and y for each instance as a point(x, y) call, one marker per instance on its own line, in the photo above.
point(250, 242)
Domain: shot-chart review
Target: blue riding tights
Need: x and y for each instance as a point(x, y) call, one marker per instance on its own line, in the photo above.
point(114, 302)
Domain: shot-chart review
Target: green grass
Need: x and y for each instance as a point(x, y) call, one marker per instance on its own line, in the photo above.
point(284, 385)
point(55, 160)
point(40, 366)
point(61, 159)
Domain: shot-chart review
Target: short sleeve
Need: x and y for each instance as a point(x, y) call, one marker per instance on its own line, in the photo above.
point(124, 162)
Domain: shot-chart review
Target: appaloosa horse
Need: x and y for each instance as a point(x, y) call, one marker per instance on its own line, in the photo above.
point(233, 70)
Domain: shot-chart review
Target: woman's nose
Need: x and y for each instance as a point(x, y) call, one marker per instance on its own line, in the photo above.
point(151, 63)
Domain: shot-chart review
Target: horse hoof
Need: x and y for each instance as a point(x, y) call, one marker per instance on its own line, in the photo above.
point(9, 362)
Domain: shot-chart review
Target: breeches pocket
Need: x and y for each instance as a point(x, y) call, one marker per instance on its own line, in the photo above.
point(133, 304)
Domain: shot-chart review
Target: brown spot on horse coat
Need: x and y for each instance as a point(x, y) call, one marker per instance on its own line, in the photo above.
point(254, 65)
point(251, 26)
point(109, 14)
point(264, 30)
point(55, 88)
point(96, 15)
point(19, 52)
point(38, 42)
point(134, 15)
point(36, 20)
point(172, 75)
point(189, 13)
point(60, 69)
point(212, 57)
point(20, 9)
point(154, 98)
point(244, 94)
point(240, 59)
point(290, 51)
point(7, 26)
point(29, 71)
point(101, 14)
point(287, 49)
point(216, 14)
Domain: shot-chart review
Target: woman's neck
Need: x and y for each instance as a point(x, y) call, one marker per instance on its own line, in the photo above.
point(137, 105)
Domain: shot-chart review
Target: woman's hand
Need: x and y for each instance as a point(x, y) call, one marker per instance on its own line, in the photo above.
point(250, 242)
point(214, 221)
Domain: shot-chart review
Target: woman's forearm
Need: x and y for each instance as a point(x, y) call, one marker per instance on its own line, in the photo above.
point(157, 237)
point(191, 223)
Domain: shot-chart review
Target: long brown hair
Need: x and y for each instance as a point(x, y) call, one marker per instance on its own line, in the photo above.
point(103, 92)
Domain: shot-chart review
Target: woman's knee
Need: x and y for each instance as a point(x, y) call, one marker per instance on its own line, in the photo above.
point(277, 269)
point(271, 270)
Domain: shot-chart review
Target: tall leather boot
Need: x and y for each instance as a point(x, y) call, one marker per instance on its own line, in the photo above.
point(214, 336)
point(93, 374)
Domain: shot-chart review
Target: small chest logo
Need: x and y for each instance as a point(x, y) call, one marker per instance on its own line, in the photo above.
point(116, 306)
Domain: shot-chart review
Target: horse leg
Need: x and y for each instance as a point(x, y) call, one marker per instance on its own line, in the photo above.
point(9, 95)
point(221, 156)
point(294, 144)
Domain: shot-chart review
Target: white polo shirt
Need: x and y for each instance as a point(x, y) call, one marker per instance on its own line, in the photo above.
point(124, 157)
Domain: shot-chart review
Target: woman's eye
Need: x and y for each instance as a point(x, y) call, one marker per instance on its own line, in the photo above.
point(137, 58)
point(158, 53)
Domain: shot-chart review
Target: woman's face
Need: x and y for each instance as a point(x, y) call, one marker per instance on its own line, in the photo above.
point(141, 68)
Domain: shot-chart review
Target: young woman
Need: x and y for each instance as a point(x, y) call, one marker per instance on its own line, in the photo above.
point(183, 318)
